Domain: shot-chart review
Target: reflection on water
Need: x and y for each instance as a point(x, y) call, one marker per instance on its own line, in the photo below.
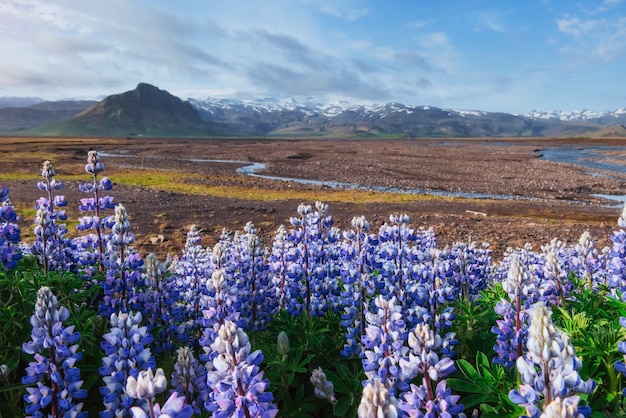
point(592, 158)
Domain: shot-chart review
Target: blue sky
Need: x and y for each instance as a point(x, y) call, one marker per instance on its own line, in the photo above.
point(494, 55)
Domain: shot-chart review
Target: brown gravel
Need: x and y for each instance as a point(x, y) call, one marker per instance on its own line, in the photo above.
point(547, 199)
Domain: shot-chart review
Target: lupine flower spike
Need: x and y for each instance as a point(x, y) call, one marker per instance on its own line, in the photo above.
point(95, 205)
point(323, 387)
point(550, 368)
point(10, 237)
point(56, 353)
point(377, 402)
point(238, 387)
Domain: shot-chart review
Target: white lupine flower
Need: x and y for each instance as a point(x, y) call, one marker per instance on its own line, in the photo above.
point(146, 385)
point(562, 408)
point(376, 402)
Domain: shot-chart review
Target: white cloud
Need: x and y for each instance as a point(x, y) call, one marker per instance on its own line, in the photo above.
point(601, 38)
point(577, 27)
point(489, 19)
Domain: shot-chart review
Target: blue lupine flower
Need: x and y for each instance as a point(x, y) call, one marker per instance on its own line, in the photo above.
point(160, 304)
point(358, 289)
point(124, 281)
point(415, 403)
point(56, 353)
point(54, 250)
point(255, 301)
point(189, 378)
point(278, 266)
point(550, 367)
point(512, 330)
point(237, 384)
point(588, 263)
point(616, 262)
point(191, 273)
point(470, 268)
point(555, 286)
point(126, 352)
point(323, 387)
point(383, 344)
point(423, 360)
point(96, 204)
point(10, 237)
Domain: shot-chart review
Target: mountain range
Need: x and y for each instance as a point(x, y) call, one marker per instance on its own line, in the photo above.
point(150, 111)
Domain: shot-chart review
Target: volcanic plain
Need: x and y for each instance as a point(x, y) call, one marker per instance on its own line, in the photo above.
point(499, 191)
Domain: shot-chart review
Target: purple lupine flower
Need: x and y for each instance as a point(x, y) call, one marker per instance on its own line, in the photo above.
point(423, 360)
point(555, 286)
point(192, 272)
point(377, 401)
point(278, 266)
point(588, 263)
point(383, 344)
point(123, 284)
point(160, 304)
point(512, 330)
point(54, 250)
point(126, 353)
point(237, 384)
point(95, 204)
point(255, 300)
point(394, 255)
point(323, 387)
point(358, 289)
point(415, 403)
point(217, 308)
point(56, 353)
point(470, 268)
point(10, 237)
point(311, 266)
point(549, 370)
point(189, 379)
point(616, 262)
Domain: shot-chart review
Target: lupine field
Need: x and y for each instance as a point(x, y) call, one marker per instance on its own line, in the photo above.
point(320, 322)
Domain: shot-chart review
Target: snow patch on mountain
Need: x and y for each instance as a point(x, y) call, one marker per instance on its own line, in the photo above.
point(576, 116)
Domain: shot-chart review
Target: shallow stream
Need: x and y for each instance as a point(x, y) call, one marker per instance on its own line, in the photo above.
point(592, 158)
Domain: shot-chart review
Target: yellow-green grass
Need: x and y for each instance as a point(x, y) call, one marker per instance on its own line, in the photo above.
point(27, 216)
point(13, 156)
point(188, 184)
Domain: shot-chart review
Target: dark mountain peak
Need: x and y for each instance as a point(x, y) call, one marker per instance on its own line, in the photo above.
point(144, 111)
point(145, 95)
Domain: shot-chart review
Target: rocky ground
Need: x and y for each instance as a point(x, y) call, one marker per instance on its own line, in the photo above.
point(532, 200)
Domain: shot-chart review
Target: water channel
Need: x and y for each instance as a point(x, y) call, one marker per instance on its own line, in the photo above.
point(591, 158)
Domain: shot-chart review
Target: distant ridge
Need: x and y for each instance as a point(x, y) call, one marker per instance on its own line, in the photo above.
point(151, 112)
point(144, 111)
point(13, 118)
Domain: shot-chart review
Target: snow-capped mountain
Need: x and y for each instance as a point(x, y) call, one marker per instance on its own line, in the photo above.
point(310, 117)
point(289, 116)
point(585, 115)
